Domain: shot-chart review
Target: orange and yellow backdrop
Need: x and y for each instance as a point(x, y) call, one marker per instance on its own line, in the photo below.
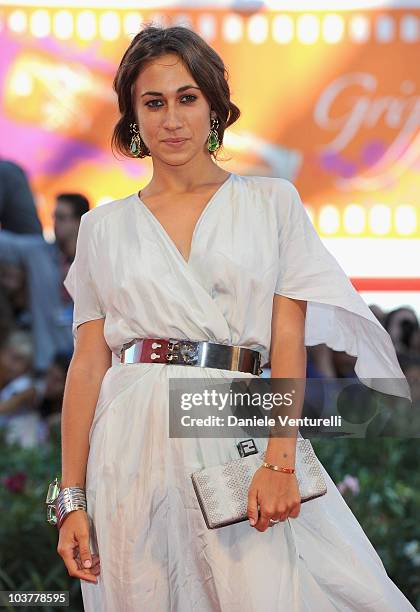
point(329, 99)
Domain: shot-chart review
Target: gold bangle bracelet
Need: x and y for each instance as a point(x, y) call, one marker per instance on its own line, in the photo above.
point(276, 468)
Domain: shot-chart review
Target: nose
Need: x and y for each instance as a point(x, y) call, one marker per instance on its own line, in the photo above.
point(171, 119)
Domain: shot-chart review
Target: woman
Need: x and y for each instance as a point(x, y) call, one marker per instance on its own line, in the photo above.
point(202, 254)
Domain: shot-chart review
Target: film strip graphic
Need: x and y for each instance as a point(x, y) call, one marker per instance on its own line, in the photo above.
point(384, 26)
point(357, 220)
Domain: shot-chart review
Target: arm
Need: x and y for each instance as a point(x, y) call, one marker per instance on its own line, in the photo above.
point(277, 493)
point(288, 360)
point(90, 361)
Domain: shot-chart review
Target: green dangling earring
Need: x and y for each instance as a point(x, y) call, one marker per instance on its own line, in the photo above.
point(135, 144)
point(213, 137)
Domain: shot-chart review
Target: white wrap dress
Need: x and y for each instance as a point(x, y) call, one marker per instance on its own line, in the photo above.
point(253, 239)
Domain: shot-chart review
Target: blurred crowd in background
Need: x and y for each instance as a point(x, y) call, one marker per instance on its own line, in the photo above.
point(36, 311)
point(36, 342)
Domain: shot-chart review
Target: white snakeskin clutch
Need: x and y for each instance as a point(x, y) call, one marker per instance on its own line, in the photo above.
point(222, 490)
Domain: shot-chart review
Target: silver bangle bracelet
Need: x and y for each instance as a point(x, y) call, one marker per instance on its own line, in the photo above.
point(68, 500)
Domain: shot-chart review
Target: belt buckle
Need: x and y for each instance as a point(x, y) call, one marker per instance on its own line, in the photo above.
point(184, 350)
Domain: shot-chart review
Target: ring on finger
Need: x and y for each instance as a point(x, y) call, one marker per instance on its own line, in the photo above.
point(274, 521)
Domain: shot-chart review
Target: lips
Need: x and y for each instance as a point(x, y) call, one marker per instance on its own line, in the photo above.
point(174, 140)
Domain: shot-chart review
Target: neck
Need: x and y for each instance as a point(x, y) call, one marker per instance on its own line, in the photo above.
point(177, 180)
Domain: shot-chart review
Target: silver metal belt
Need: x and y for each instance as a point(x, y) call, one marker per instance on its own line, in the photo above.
point(200, 353)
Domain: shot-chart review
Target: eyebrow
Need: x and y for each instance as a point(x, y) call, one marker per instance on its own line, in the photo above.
point(157, 93)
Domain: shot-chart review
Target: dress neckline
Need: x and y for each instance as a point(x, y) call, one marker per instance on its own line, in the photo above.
point(164, 231)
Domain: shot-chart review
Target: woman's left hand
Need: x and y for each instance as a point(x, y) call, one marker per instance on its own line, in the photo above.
point(276, 493)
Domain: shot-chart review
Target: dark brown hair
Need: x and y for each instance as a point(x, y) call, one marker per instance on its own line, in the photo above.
point(204, 64)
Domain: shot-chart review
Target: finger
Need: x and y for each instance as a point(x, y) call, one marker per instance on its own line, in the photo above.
point(252, 509)
point(277, 517)
point(283, 516)
point(263, 520)
point(72, 568)
point(295, 512)
point(84, 550)
point(95, 556)
point(96, 563)
point(83, 574)
point(96, 570)
point(95, 560)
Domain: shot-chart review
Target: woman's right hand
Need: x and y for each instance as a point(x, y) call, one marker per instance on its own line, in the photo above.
point(73, 547)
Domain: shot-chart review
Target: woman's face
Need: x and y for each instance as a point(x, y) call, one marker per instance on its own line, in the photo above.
point(170, 113)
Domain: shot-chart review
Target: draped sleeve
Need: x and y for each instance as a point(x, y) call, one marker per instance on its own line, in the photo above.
point(336, 313)
point(79, 281)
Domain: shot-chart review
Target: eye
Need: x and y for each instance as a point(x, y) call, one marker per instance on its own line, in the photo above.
point(191, 96)
point(151, 104)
